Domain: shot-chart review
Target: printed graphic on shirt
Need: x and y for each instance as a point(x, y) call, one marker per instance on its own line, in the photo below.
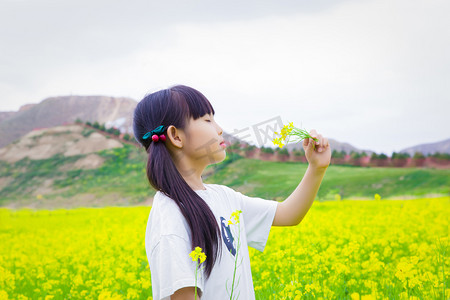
point(227, 237)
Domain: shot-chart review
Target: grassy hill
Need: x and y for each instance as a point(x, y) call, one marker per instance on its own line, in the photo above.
point(121, 180)
point(277, 180)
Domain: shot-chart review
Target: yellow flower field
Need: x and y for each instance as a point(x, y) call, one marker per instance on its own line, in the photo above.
point(341, 250)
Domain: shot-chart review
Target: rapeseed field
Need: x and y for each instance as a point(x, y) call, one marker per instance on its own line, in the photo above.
point(379, 249)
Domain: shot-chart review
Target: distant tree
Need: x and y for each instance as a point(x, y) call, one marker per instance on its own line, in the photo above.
point(382, 156)
point(116, 131)
point(96, 125)
point(355, 155)
point(235, 145)
point(337, 154)
point(298, 152)
point(110, 130)
point(374, 156)
point(267, 150)
point(102, 127)
point(396, 155)
point(441, 155)
point(126, 137)
point(283, 151)
point(418, 155)
point(364, 154)
point(78, 121)
point(88, 123)
point(249, 148)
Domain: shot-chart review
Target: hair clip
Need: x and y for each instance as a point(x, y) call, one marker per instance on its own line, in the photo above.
point(156, 134)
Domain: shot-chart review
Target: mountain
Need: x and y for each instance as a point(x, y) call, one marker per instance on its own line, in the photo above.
point(56, 111)
point(335, 145)
point(430, 148)
point(6, 115)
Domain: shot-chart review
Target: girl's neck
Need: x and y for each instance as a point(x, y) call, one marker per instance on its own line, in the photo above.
point(195, 183)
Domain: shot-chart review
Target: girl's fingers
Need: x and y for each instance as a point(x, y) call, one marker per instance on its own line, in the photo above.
point(306, 142)
point(313, 134)
point(320, 140)
point(324, 144)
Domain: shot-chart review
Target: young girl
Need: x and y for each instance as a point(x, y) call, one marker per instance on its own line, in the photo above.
point(177, 128)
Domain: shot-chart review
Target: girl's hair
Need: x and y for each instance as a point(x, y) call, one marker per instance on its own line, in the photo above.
point(175, 106)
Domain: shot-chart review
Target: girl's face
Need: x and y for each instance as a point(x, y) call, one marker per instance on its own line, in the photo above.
point(205, 144)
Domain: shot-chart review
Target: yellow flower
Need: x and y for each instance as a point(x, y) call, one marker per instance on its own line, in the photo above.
point(377, 197)
point(278, 141)
point(290, 131)
point(198, 254)
point(235, 216)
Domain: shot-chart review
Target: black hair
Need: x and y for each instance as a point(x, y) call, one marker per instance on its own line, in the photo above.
point(175, 106)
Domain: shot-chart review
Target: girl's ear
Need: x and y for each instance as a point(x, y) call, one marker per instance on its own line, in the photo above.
point(176, 136)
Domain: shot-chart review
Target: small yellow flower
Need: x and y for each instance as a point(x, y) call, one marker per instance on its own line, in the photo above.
point(235, 216)
point(277, 141)
point(198, 254)
point(290, 131)
point(377, 197)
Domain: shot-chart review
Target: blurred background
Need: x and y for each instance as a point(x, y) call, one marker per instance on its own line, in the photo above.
point(370, 75)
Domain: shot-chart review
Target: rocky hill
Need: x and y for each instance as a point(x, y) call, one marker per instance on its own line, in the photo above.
point(40, 169)
point(57, 111)
point(68, 141)
point(430, 148)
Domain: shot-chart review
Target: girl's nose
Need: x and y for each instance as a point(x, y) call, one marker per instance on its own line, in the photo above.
point(219, 129)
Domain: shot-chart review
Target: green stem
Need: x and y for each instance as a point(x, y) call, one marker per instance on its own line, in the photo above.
point(196, 268)
point(235, 262)
point(301, 134)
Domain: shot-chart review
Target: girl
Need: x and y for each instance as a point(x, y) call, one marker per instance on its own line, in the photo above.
point(177, 128)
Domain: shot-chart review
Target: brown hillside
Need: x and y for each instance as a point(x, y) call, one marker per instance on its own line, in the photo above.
point(57, 111)
point(68, 140)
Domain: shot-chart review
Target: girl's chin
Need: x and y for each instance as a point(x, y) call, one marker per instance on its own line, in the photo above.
point(222, 158)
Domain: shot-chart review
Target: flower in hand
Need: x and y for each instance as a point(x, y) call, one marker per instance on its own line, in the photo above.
point(317, 148)
point(289, 131)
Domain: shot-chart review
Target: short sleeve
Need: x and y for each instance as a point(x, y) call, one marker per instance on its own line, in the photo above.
point(258, 214)
point(172, 268)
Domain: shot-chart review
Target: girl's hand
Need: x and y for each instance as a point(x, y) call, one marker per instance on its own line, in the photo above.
point(321, 156)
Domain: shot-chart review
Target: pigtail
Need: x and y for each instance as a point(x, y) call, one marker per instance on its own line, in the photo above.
point(205, 231)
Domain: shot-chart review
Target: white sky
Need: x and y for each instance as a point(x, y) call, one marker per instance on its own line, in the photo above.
point(373, 73)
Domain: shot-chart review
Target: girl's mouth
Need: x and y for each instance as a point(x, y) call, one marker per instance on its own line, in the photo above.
point(223, 144)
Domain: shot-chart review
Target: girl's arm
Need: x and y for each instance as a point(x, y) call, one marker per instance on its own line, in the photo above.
point(186, 293)
point(291, 211)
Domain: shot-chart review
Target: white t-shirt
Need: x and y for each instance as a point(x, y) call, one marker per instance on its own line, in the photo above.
point(167, 243)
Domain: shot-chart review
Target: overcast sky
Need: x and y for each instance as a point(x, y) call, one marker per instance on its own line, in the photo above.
point(373, 73)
